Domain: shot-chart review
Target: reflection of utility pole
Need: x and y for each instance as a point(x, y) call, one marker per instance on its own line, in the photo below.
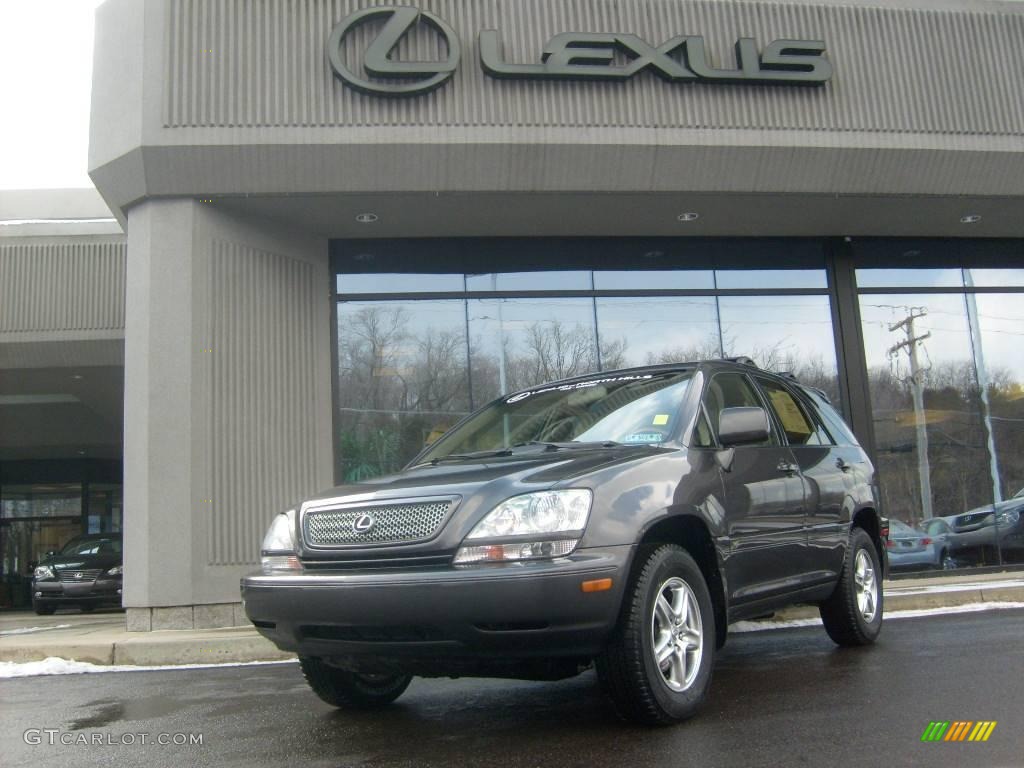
point(501, 338)
point(917, 389)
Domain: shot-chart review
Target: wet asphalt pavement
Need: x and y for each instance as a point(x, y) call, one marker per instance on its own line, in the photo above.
point(781, 698)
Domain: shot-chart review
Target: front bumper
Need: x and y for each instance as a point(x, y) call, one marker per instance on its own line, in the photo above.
point(101, 591)
point(511, 610)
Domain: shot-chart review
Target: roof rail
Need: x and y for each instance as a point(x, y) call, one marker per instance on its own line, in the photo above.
point(788, 375)
point(742, 360)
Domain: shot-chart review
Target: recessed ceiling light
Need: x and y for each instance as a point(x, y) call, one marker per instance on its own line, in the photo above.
point(77, 376)
point(970, 218)
point(688, 216)
point(366, 218)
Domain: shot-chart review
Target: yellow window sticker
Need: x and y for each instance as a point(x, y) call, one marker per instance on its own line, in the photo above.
point(661, 419)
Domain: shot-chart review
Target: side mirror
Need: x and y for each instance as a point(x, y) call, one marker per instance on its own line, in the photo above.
point(742, 426)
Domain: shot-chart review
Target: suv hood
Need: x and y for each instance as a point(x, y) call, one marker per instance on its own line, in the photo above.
point(535, 466)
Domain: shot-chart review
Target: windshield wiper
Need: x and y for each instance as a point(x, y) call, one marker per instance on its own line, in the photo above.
point(550, 446)
point(474, 455)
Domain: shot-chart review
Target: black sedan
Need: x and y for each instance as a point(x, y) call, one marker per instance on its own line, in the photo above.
point(85, 573)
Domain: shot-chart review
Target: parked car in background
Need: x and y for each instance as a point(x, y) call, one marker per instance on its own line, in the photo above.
point(914, 550)
point(86, 573)
point(973, 535)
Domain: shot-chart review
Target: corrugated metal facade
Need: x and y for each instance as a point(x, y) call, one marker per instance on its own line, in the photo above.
point(262, 63)
point(76, 285)
point(262, 428)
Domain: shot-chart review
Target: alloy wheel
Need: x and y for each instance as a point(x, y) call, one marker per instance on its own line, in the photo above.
point(677, 636)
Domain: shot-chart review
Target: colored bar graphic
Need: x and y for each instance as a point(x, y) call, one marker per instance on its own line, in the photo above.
point(958, 730)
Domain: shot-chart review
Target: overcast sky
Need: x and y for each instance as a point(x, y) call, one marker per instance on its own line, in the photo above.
point(45, 76)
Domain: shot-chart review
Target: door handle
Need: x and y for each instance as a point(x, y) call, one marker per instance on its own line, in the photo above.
point(842, 464)
point(786, 468)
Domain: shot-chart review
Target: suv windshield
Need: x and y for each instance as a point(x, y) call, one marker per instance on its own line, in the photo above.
point(632, 409)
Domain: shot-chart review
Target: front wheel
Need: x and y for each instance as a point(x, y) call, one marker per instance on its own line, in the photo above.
point(657, 666)
point(351, 690)
point(42, 609)
point(852, 615)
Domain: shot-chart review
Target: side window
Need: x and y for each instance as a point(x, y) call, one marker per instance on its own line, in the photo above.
point(799, 429)
point(730, 390)
point(836, 425)
point(702, 437)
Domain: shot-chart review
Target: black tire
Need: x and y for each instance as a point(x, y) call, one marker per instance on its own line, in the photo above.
point(42, 609)
point(351, 690)
point(629, 672)
point(845, 621)
point(88, 608)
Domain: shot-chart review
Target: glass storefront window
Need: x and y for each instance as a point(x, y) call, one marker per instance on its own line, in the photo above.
point(654, 279)
point(41, 500)
point(646, 331)
point(910, 278)
point(574, 280)
point(767, 279)
point(783, 333)
point(1000, 320)
point(398, 282)
point(928, 413)
point(401, 381)
point(516, 343)
point(994, 278)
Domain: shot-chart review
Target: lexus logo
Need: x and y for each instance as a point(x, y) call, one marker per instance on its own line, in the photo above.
point(364, 523)
point(425, 76)
point(586, 56)
point(78, 574)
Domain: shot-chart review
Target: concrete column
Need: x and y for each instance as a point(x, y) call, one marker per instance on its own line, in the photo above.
point(227, 402)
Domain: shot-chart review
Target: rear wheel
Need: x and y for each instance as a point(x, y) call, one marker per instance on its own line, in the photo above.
point(351, 690)
point(852, 615)
point(657, 666)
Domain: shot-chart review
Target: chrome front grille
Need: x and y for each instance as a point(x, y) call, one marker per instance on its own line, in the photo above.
point(75, 577)
point(396, 523)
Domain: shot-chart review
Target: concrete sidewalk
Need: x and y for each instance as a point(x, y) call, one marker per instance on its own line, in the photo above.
point(101, 638)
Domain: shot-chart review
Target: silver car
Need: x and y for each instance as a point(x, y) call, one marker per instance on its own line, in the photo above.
point(911, 549)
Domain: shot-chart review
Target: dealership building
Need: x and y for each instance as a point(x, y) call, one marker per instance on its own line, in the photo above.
point(327, 229)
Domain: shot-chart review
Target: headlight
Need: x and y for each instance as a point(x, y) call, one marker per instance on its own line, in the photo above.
point(43, 572)
point(545, 524)
point(117, 570)
point(277, 552)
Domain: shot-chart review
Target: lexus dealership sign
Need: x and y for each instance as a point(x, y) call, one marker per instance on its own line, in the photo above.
point(566, 56)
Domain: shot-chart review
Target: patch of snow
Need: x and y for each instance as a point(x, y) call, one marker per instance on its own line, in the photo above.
point(57, 666)
point(29, 630)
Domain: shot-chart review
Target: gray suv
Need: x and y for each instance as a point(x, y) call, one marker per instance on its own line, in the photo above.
point(621, 520)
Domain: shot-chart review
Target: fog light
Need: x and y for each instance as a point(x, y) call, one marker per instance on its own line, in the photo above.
point(40, 594)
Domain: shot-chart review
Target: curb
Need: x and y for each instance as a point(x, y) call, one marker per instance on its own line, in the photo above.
point(168, 647)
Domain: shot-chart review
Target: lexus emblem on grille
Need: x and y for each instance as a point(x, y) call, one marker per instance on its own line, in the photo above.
point(363, 524)
point(78, 574)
